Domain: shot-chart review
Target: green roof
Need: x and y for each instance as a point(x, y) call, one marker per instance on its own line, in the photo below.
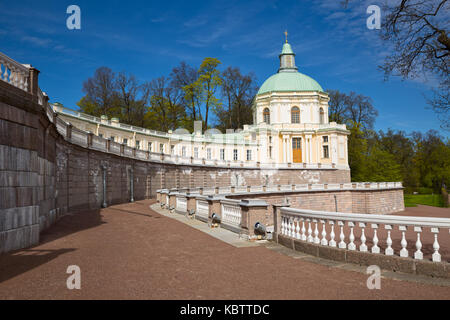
point(289, 82)
point(287, 49)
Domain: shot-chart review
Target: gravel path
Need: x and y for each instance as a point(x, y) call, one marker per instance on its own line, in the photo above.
point(131, 252)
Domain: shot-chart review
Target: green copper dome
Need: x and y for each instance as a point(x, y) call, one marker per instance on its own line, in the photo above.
point(287, 49)
point(289, 81)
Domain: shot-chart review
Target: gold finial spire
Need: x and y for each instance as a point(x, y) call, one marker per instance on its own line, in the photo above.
point(286, 34)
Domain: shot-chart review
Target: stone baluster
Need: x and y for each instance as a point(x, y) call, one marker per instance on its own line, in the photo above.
point(5, 74)
point(436, 256)
point(316, 233)
point(418, 254)
point(324, 240)
point(351, 245)
point(342, 243)
point(332, 242)
point(310, 238)
point(297, 229)
point(303, 230)
point(403, 242)
point(375, 247)
point(363, 246)
point(389, 251)
point(288, 227)
point(283, 225)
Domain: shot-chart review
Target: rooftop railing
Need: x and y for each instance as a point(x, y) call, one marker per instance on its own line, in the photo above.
point(14, 73)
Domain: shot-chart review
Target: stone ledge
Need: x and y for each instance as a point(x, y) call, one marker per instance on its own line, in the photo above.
point(391, 263)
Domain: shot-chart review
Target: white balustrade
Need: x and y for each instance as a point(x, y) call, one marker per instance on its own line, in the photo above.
point(256, 189)
point(114, 147)
point(98, 143)
point(61, 126)
point(202, 208)
point(181, 204)
point(224, 190)
point(13, 72)
point(240, 189)
point(209, 191)
point(231, 213)
point(306, 229)
point(299, 187)
point(79, 137)
point(286, 187)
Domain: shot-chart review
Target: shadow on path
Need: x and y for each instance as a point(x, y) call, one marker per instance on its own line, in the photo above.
point(15, 263)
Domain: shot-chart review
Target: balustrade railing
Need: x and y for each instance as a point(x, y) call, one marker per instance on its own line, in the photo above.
point(181, 204)
point(223, 190)
point(79, 137)
point(98, 143)
point(231, 212)
point(202, 208)
point(240, 189)
point(311, 226)
point(209, 191)
point(286, 187)
point(114, 147)
point(14, 73)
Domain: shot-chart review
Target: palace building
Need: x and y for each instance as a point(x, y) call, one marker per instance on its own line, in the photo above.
point(290, 127)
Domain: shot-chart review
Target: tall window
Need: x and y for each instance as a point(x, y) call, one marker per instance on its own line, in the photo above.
point(196, 153)
point(112, 138)
point(183, 151)
point(125, 141)
point(235, 154)
point(266, 115)
point(249, 155)
point(222, 154)
point(150, 146)
point(138, 144)
point(295, 115)
point(322, 116)
point(172, 149)
point(270, 152)
point(326, 152)
point(161, 148)
point(208, 153)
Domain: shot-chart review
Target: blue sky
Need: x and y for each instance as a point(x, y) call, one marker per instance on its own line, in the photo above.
point(148, 38)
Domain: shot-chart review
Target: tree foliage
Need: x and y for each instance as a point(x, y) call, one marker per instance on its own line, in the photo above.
point(351, 109)
point(419, 32)
point(188, 94)
point(419, 160)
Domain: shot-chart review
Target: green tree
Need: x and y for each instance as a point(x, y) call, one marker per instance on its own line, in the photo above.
point(210, 82)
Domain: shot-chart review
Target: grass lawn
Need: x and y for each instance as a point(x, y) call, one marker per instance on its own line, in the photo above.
point(412, 200)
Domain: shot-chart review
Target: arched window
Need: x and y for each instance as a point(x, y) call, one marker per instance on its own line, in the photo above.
point(322, 116)
point(295, 115)
point(266, 115)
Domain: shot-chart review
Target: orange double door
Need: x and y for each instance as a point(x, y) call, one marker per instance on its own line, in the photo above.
point(297, 150)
